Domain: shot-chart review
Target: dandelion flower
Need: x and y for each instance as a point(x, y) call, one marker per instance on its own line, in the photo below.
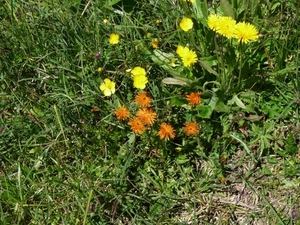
point(108, 87)
point(189, 58)
point(122, 113)
point(147, 116)
point(154, 42)
point(226, 26)
point(191, 129)
point(182, 51)
point(166, 131)
point(136, 125)
point(105, 21)
point(194, 98)
point(143, 99)
point(140, 81)
point(213, 22)
point(186, 24)
point(246, 32)
point(114, 39)
point(100, 69)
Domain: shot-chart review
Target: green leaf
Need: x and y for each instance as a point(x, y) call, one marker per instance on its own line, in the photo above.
point(239, 102)
point(227, 8)
point(176, 81)
point(207, 67)
point(205, 111)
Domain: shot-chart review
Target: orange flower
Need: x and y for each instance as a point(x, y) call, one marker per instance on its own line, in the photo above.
point(194, 98)
point(223, 159)
point(191, 129)
point(136, 125)
point(143, 99)
point(122, 113)
point(147, 116)
point(166, 131)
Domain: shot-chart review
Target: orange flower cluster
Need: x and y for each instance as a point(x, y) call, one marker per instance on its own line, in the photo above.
point(145, 116)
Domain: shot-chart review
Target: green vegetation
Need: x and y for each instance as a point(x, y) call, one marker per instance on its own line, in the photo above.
point(209, 132)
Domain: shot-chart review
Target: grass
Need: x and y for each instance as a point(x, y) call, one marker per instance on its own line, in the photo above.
point(66, 159)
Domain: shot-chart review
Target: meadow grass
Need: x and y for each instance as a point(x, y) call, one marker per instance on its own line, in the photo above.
point(219, 143)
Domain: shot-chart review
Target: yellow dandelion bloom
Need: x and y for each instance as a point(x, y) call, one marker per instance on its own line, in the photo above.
point(108, 87)
point(191, 129)
point(186, 24)
point(213, 22)
point(166, 131)
point(226, 26)
point(182, 51)
point(114, 39)
point(189, 59)
point(194, 98)
point(122, 113)
point(100, 69)
point(143, 99)
point(154, 42)
point(246, 32)
point(147, 116)
point(105, 21)
point(136, 125)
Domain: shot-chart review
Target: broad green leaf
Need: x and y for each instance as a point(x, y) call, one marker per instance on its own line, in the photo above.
point(239, 102)
point(227, 8)
point(205, 111)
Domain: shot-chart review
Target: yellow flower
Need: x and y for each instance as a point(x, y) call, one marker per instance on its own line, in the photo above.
point(213, 22)
point(114, 39)
point(192, 1)
point(182, 51)
point(154, 43)
point(158, 21)
point(246, 32)
point(105, 21)
point(189, 58)
point(108, 87)
point(186, 24)
point(166, 131)
point(226, 26)
point(137, 71)
point(140, 81)
point(100, 69)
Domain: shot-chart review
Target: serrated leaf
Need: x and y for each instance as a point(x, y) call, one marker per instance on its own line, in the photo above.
point(227, 8)
point(205, 111)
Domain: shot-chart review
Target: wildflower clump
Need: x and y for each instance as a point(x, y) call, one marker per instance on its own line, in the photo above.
point(191, 129)
point(186, 24)
point(108, 87)
point(166, 131)
point(122, 113)
point(227, 27)
point(114, 39)
point(139, 77)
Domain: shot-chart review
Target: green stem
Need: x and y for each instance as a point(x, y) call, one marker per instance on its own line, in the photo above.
point(240, 64)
